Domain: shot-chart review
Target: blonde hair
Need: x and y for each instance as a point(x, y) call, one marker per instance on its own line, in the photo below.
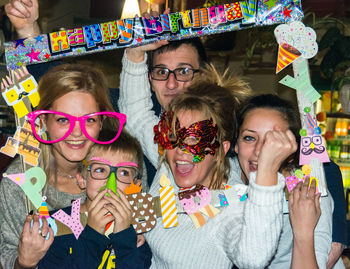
point(64, 79)
point(125, 144)
point(218, 96)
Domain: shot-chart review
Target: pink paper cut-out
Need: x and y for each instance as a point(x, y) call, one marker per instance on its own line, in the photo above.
point(291, 182)
point(72, 221)
point(197, 200)
point(317, 150)
point(17, 178)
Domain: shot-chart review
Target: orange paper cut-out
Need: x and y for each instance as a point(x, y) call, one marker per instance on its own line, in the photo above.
point(286, 55)
point(133, 188)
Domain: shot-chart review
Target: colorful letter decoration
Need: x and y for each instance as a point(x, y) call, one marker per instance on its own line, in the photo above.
point(51, 222)
point(302, 82)
point(167, 203)
point(32, 190)
point(72, 221)
point(140, 31)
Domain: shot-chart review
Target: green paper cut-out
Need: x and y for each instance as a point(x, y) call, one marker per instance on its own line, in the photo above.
point(33, 190)
point(302, 83)
point(112, 184)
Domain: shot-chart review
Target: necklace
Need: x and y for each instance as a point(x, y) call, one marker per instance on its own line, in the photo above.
point(65, 175)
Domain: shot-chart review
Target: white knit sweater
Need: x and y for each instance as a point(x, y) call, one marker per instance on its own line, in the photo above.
point(244, 233)
point(135, 102)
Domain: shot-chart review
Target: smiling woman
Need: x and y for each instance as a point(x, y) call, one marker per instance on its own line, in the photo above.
point(194, 137)
point(262, 117)
point(69, 94)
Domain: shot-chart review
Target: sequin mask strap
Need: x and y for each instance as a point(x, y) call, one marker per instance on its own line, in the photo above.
point(199, 139)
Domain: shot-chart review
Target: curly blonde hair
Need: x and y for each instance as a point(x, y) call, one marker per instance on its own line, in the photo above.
point(218, 96)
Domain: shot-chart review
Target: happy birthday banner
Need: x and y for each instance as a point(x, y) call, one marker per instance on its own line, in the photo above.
point(140, 31)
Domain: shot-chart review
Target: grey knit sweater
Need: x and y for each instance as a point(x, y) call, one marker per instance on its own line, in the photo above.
point(13, 212)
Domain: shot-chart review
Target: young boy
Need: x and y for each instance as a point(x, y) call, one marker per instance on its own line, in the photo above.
point(93, 249)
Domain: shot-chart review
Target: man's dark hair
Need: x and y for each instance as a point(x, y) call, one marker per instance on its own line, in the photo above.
point(196, 43)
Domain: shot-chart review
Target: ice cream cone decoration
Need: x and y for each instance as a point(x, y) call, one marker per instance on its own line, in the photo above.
point(286, 55)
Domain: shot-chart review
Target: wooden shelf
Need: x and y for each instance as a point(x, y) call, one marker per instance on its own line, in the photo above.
point(342, 164)
point(338, 115)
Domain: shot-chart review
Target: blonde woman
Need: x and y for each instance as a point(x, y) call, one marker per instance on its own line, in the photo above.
point(194, 136)
point(74, 107)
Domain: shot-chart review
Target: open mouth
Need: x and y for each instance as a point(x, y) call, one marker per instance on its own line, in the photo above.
point(253, 166)
point(184, 167)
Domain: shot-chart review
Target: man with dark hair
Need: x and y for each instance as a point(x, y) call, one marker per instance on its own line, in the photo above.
point(170, 69)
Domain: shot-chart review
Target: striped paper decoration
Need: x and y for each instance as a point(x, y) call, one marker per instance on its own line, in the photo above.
point(167, 203)
point(285, 58)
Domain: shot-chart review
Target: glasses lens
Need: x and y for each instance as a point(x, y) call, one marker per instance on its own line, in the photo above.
point(99, 171)
point(53, 127)
point(183, 74)
point(159, 73)
point(58, 126)
point(107, 121)
point(126, 174)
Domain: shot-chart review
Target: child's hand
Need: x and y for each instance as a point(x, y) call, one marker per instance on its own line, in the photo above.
point(136, 54)
point(277, 147)
point(120, 208)
point(97, 211)
point(140, 240)
point(304, 209)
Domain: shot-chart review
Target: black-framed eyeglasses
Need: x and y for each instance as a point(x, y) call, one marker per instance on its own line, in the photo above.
point(124, 174)
point(182, 74)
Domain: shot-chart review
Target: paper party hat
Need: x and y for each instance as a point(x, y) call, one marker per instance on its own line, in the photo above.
point(17, 178)
point(43, 211)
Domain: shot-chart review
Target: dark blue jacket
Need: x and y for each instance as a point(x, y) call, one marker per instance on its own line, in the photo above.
point(335, 187)
point(93, 250)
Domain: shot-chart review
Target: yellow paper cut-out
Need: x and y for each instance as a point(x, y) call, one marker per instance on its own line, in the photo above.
point(29, 85)
point(15, 93)
point(167, 203)
point(24, 143)
point(12, 95)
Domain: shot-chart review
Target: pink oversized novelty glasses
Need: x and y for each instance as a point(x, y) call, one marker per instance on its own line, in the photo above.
point(60, 125)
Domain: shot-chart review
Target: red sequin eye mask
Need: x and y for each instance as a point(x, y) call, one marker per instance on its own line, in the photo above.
point(199, 139)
